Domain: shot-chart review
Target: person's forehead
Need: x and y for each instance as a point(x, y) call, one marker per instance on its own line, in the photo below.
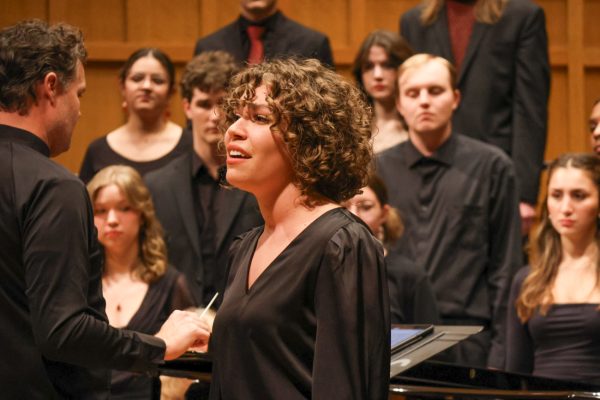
point(377, 52)
point(199, 94)
point(432, 72)
point(148, 64)
point(596, 111)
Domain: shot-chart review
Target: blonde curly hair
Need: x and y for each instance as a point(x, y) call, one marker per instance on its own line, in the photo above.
point(153, 250)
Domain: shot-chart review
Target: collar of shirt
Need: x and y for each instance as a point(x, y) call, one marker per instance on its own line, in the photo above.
point(10, 133)
point(199, 170)
point(444, 154)
point(198, 167)
point(269, 22)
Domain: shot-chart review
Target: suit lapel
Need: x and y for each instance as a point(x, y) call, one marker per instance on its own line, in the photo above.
point(236, 44)
point(181, 190)
point(442, 35)
point(479, 31)
point(230, 208)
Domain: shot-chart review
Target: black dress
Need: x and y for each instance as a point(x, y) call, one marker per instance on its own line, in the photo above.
point(563, 344)
point(165, 295)
point(99, 155)
point(315, 324)
point(412, 300)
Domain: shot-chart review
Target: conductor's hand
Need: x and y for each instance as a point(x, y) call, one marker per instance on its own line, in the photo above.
point(182, 330)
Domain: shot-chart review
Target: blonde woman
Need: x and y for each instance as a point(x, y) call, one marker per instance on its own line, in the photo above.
point(140, 289)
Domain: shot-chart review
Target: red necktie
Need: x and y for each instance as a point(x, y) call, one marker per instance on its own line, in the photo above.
point(257, 50)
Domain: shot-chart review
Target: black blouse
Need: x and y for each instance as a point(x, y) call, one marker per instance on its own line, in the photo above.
point(315, 324)
point(167, 294)
point(99, 154)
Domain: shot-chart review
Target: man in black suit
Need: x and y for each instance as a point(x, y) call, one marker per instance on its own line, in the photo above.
point(501, 53)
point(199, 215)
point(280, 35)
point(55, 339)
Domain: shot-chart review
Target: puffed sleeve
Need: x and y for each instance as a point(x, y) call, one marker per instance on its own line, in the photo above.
point(352, 349)
point(519, 345)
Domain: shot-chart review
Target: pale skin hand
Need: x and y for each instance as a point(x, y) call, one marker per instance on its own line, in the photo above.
point(184, 330)
point(527, 212)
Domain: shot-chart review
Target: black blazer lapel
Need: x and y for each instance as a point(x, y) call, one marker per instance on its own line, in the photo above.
point(236, 38)
point(479, 31)
point(442, 36)
point(230, 209)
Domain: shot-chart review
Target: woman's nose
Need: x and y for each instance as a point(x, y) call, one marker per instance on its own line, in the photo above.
point(111, 217)
point(377, 71)
point(566, 207)
point(147, 83)
point(237, 130)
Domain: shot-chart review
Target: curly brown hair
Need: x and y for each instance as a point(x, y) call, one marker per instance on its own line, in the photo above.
point(324, 121)
point(153, 250)
point(209, 72)
point(29, 51)
point(546, 250)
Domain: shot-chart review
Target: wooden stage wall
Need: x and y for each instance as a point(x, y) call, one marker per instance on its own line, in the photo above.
point(115, 28)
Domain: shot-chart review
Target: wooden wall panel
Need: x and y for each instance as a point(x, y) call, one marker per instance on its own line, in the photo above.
point(334, 20)
point(385, 14)
point(164, 22)
point(557, 122)
point(591, 37)
point(115, 28)
point(556, 26)
point(102, 21)
point(215, 14)
point(13, 11)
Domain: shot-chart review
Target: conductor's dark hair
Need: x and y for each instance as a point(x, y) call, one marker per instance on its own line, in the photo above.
point(29, 51)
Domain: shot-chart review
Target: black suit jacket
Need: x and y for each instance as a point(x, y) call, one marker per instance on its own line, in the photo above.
point(283, 37)
point(171, 189)
point(504, 83)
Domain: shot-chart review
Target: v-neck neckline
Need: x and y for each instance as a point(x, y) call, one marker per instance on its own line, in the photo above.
point(250, 288)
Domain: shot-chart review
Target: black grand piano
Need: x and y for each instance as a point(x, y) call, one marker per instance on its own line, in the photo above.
point(414, 376)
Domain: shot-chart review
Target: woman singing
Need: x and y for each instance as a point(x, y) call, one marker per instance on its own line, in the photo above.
point(305, 314)
point(554, 313)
